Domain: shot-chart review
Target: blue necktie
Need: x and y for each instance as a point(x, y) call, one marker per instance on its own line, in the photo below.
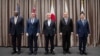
point(32, 21)
point(83, 22)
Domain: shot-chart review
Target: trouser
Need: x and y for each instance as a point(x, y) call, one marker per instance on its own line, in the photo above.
point(66, 41)
point(47, 38)
point(30, 42)
point(82, 43)
point(16, 38)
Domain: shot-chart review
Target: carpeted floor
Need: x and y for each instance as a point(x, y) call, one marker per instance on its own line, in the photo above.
point(92, 51)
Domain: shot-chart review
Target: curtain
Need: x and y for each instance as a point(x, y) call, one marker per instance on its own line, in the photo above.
point(91, 8)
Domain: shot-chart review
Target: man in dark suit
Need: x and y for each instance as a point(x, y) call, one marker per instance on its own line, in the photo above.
point(49, 31)
point(66, 27)
point(16, 29)
point(82, 32)
point(32, 27)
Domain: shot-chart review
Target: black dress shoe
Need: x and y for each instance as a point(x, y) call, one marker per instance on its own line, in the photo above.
point(68, 52)
point(30, 53)
point(14, 52)
point(35, 53)
point(19, 52)
point(84, 53)
point(46, 53)
point(52, 52)
point(81, 53)
point(64, 52)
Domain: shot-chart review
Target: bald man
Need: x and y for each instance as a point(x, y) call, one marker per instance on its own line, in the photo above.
point(66, 27)
point(16, 29)
point(49, 30)
point(32, 31)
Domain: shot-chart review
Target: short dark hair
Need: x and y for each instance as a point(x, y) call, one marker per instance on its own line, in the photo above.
point(82, 13)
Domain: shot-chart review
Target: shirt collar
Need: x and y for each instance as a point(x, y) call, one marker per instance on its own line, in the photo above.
point(16, 17)
point(66, 18)
point(83, 19)
point(49, 19)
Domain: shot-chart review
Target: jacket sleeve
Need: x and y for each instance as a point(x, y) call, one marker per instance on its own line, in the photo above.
point(22, 25)
point(9, 26)
point(71, 25)
point(60, 26)
point(38, 26)
point(27, 25)
point(88, 28)
point(55, 28)
point(43, 27)
point(77, 27)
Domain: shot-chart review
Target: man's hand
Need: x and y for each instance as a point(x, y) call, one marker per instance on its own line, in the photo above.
point(89, 35)
point(60, 33)
point(26, 34)
point(77, 35)
point(37, 34)
point(72, 33)
point(55, 34)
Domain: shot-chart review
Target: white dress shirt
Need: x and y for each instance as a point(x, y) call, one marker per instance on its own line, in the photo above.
point(49, 22)
point(15, 19)
point(83, 21)
point(32, 20)
point(66, 20)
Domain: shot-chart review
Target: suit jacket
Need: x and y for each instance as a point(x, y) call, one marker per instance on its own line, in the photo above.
point(82, 30)
point(32, 28)
point(17, 28)
point(49, 29)
point(64, 28)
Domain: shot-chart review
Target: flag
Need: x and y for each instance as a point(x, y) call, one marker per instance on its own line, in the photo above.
point(18, 9)
point(66, 7)
point(33, 10)
point(82, 9)
point(53, 17)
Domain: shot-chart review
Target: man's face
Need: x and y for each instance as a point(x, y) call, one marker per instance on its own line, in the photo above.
point(82, 16)
point(48, 16)
point(65, 15)
point(16, 14)
point(33, 15)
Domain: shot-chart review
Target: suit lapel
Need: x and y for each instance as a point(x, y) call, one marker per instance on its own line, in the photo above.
point(12, 20)
point(67, 21)
point(64, 21)
point(34, 20)
point(18, 20)
point(51, 23)
point(85, 22)
point(81, 22)
point(31, 21)
point(47, 22)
